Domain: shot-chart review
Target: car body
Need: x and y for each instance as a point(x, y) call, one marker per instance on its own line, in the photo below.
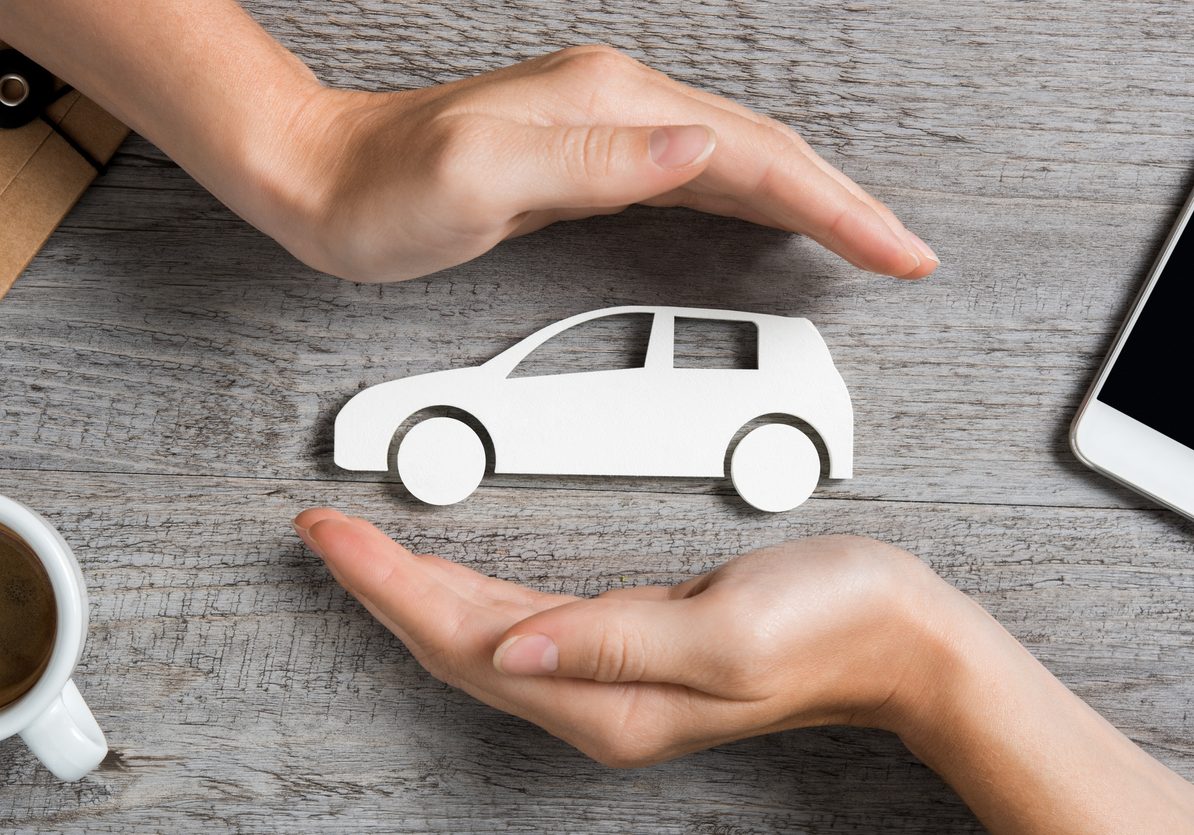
point(654, 420)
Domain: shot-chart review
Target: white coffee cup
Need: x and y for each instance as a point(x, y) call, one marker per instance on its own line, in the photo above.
point(52, 717)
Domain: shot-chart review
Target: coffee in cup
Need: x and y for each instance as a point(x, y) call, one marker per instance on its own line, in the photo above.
point(43, 623)
point(28, 618)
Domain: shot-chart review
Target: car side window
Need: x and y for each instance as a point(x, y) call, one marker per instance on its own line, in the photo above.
point(607, 343)
point(716, 343)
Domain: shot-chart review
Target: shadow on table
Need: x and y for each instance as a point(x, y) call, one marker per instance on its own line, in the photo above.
point(827, 779)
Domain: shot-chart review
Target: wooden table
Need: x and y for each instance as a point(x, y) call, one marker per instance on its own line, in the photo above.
point(169, 377)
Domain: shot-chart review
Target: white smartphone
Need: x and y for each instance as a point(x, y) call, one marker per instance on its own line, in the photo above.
point(1136, 424)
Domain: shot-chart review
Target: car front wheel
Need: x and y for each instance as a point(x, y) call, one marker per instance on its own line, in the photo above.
point(441, 460)
point(775, 467)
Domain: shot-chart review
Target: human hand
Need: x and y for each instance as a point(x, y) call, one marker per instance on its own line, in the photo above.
point(389, 186)
point(828, 630)
point(821, 631)
point(386, 186)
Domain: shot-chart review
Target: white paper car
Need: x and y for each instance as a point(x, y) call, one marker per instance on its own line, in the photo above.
point(650, 420)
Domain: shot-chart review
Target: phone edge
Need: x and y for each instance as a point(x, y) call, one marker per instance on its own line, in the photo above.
point(1129, 321)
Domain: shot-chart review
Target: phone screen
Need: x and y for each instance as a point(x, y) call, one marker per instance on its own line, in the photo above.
point(1152, 380)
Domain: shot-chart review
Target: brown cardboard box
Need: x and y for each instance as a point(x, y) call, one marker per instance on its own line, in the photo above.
point(42, 176)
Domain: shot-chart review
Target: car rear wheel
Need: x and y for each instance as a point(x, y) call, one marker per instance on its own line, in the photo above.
point(441, 460)
point(775, 467)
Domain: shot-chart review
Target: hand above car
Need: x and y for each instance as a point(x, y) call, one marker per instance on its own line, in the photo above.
point(580, 132)
point(382, 186)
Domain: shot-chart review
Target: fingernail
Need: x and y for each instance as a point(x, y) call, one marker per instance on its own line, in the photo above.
point(527, 655)
point(923, 250)
point(305, 536)
point(677, 147)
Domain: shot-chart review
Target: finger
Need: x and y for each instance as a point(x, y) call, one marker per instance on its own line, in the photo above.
point(483, 589)
point(765, 171)
point(302, 526)
point(310, 516)
point(714, 204)
point(462, 580)
point(732, 107)
point(388, 579)
point(617, 640)
point(600, 165)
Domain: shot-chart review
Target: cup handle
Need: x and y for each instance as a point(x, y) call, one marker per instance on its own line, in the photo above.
point(66, 737)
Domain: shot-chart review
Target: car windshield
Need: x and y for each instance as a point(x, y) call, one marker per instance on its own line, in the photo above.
point(606, 343)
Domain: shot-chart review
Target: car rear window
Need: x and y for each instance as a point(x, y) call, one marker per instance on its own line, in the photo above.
point(716, 343)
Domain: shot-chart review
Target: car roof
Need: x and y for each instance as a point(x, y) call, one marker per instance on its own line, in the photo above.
point(681, 312)
point(768, 325)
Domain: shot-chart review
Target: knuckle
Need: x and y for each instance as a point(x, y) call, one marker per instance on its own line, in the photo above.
point(596, 78)
point(621, 753)
point(451, 155)
point(597, 58)
point(610, 658)
point(767, 181)
point(872, 567)
point(588, 153)
point(619, 656)
point(744, 672)
point(634, 740)
point(866, 551)
point(456, 174)
point(838, 221)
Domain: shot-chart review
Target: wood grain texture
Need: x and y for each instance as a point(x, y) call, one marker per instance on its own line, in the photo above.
point(168, 379)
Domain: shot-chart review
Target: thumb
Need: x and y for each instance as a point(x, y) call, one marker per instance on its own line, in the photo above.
point(603, 166)
point(612, 639)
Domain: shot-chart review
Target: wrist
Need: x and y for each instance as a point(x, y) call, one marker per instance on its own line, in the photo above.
point(287, 159)
point(969, 673)
point(303, 168)
point(944, 649)
point(1021, 750)
point(901, 649)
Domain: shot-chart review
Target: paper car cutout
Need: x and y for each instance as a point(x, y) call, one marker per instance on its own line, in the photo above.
point(652, 420)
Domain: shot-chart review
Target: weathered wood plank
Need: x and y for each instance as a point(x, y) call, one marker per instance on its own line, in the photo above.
point(240, 686)
point(168, 378)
